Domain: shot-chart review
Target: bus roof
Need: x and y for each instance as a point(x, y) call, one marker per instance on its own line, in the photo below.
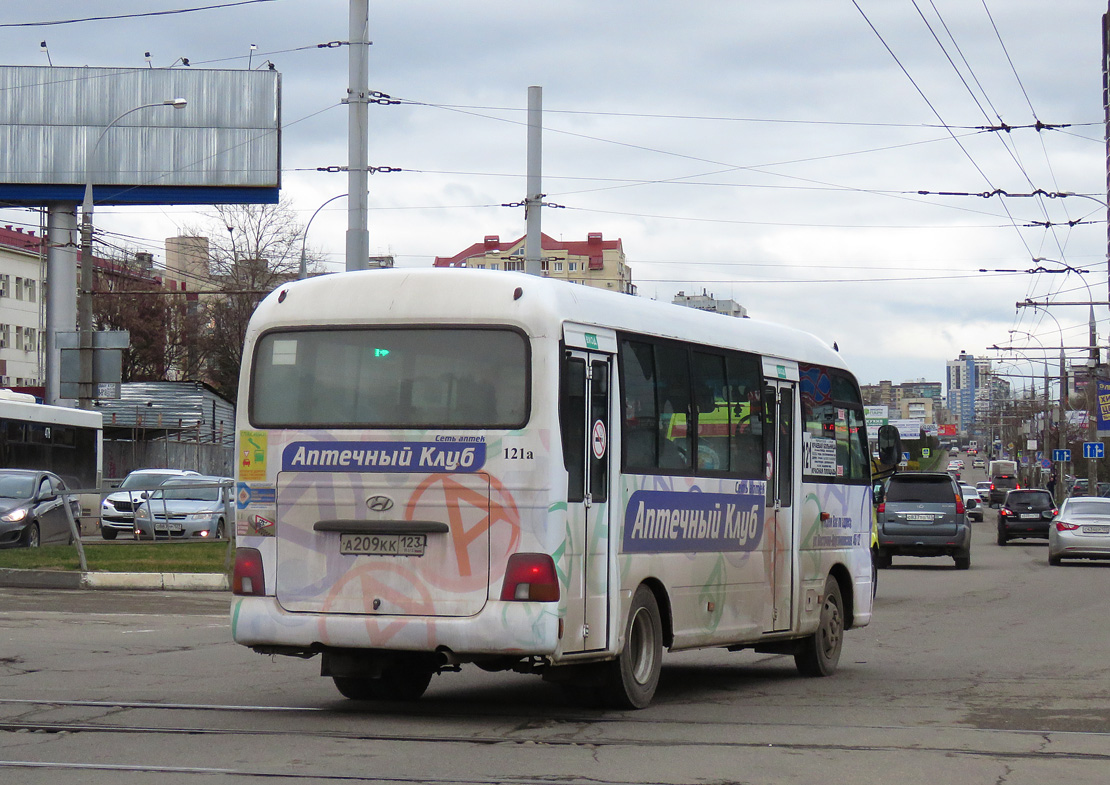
point(53, 415)
point(536, 304)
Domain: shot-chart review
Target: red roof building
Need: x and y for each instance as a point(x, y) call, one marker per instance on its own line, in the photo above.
point(593, 262)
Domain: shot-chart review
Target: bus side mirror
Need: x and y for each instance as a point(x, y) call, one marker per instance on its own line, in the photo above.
point(890, 447)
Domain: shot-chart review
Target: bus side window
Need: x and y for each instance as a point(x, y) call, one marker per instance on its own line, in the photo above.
point(673, 387)
point(745, 379)
point(640, 416)
point(714, 414)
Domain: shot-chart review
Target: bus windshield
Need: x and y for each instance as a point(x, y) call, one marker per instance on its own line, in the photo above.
point(413, 377)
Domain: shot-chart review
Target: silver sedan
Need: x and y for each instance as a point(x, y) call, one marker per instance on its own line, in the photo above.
point(1081, 530)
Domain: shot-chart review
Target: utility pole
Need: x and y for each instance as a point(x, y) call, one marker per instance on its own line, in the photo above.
point(1092, 408)
point(1062, 427)
point(358, 216)
point(1106, 130)
point(533, 199)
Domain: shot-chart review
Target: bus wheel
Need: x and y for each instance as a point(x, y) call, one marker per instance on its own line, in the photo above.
point(632, 678)
point(820, 652)
point(397, 683)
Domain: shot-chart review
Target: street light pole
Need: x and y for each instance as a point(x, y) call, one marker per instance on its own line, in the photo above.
point(1062, 427)
point(84, 301)
point(304, 238)
point(1045, 432)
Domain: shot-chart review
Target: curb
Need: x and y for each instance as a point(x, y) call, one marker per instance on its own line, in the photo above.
point(150, 581)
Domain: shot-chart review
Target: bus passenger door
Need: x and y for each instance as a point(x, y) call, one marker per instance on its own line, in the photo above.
point(779, 431)
point(584, 410)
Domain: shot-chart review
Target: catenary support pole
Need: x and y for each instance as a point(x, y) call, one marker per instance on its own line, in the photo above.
point(533, 253)
point(358, 219)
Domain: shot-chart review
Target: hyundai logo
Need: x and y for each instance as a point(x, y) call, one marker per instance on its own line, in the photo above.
point(379, 503)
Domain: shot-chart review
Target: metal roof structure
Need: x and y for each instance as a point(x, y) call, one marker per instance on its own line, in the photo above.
point(184, 411)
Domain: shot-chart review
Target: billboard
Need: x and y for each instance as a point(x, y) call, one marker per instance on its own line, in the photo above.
point(61, 126)
point(1103, 407)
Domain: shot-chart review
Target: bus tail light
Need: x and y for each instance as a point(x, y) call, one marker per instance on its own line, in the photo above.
point(248, 579)
point(530, 577)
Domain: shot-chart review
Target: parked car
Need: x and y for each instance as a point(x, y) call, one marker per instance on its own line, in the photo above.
point(984, 489)
point(972, 503)
point(185, 508)
point(1081, 530)
point(1080, 487)
point(1001, 484)
point(1025, 513)
point(32, 509)
point(923, 514)
point(117, 512)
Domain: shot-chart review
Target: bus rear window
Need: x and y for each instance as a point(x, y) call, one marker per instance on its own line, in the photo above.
point(411, 378)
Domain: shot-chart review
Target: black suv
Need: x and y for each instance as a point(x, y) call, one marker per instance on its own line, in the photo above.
point(1025, 513)
point(922, 514)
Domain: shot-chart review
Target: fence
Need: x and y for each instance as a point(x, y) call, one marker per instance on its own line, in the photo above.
point(124, 456)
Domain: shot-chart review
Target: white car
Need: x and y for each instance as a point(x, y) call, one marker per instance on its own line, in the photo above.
point(117, 512)
point(972, 503)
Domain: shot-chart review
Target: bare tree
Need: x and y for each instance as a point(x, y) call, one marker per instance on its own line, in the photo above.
point(253, 249)
point(164, 329)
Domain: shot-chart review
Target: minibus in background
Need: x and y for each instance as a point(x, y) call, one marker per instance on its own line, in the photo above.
point(68, 442)
point(438, 468)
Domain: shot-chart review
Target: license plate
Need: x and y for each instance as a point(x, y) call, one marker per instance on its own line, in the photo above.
point(1030, 516)
point(168, 527)
point(919, 516)
point(1096, 529)
point(382, 544)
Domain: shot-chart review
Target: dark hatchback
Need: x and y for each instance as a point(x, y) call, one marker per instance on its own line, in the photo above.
point(923, 514)
point(1025, 513)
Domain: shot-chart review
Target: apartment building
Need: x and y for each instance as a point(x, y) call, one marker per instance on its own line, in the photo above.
point(594, 262)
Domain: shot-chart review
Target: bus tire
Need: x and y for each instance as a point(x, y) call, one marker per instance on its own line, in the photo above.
point(397, 683)
point(819, 653)
point(632, 678)
point(31, 536)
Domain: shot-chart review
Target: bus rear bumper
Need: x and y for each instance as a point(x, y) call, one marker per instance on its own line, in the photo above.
point(500, 628)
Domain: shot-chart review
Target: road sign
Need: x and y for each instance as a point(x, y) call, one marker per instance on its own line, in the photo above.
point(1093, 450)
point(905, 457)
point(1061, 456)
point(924, 452)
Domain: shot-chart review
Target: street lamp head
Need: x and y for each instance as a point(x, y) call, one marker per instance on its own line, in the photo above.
point(176, 103)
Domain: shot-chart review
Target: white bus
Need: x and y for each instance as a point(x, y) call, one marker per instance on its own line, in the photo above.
point(439, 467)
point(68, 442)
